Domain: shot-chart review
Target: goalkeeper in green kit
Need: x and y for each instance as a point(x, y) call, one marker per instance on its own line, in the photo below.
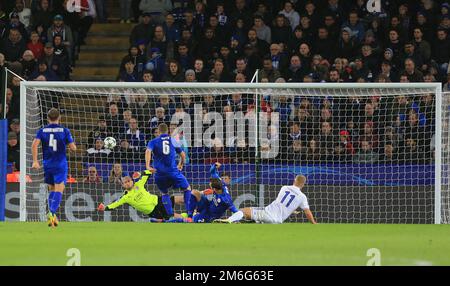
point(140, 199)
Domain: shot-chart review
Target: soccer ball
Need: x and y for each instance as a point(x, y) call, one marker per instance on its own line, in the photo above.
point(110, 142)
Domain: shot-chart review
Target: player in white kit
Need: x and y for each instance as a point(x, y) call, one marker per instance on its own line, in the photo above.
point(289, 199)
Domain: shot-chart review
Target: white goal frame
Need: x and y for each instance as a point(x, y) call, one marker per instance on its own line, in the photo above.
point(254, 86)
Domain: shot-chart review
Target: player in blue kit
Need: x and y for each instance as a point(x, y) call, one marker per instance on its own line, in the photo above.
point(54, 139)
point(163, 150)
point(211, 204)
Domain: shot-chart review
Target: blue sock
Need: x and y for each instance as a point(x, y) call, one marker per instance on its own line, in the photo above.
point(175, 220)
point(192, 205)
point(187, 202)
point(167, 204)
point(50, 200)
point(54, 203)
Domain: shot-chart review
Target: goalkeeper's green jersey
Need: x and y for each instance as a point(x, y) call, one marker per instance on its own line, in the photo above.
point(137, 197)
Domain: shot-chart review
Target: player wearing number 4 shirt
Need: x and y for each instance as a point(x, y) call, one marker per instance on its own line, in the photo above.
point(163, 150)
point(54, 139)
point(289, 199)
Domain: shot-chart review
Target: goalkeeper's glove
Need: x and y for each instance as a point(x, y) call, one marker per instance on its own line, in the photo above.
point(101, 207)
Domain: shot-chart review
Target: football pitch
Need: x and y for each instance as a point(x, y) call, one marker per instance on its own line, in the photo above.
point(220, 244)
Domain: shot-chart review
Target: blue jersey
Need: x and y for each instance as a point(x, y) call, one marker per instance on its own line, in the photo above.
point(54, 139)
point(213, 206)
point(165, 150)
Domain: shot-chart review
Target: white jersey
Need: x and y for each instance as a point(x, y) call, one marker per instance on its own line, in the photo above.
point(289, 199)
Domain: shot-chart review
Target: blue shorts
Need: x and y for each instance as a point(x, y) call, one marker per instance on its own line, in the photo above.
point(174, 180)
point(55, 176)
point(201, 217)
point(203, 211)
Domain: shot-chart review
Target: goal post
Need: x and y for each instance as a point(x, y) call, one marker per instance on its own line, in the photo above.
point(264, 133)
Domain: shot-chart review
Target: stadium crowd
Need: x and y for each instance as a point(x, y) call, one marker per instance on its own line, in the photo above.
point(228, 41)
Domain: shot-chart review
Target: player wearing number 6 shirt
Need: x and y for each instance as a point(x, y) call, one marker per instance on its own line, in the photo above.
point(167, 172)
point(289, 199)
point(54, 139)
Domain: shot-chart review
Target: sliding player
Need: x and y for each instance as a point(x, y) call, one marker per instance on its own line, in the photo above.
point(167, 172)
point(54, 138)
point(211, 204)
point(140, 199)
point(288, 200)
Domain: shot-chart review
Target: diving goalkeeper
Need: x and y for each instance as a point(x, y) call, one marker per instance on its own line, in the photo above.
point(140, 199)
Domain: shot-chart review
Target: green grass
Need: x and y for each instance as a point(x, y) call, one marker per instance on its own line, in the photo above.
point(217, 244)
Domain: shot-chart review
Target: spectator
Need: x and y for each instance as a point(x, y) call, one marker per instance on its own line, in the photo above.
point(60, 28)
point(23, 12)
point(13, 150)
point(35, 45)
point(355, 25)
point(42, 18)
point(422, 46)
point(327, 141)
point(295, 153)
point(281, 32)
point(411, 72)
point(184, 58)
point(201, 74)
point(268, 70)
point(101, 131)
point(116, 174)
point(313, 153)
point(92, 176)
point(98, 153)
point(143, 31)
point(14, 23)
point(171, 29)
point(136, 58)
point(263, 32)
point(28, 63)
point(160, 117)
point(160, 41)
point(135, 137)
point(43, 70)
point(290, 14)
point(174, 73)
point(366, 155)
point(389, 155)
point(13, 46)
point(344, 150)
point(114, 121)
point(129, 74)
point(219, 71)
point(441, 50)
point(189, 76)
point(261, 47)
point(324, 46)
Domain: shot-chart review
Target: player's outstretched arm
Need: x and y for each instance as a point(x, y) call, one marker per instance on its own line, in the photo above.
point(182, 160)
point(310, 216)
point(148, 160)
point(34, 153)
point(215, 170)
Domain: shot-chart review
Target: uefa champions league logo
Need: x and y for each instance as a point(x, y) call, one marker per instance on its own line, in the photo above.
point(373, 6)
point(73, 6)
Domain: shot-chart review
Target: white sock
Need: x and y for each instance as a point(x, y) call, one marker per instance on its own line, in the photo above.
point(237, 216)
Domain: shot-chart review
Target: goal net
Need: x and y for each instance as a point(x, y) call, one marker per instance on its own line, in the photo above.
point(372, 153)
